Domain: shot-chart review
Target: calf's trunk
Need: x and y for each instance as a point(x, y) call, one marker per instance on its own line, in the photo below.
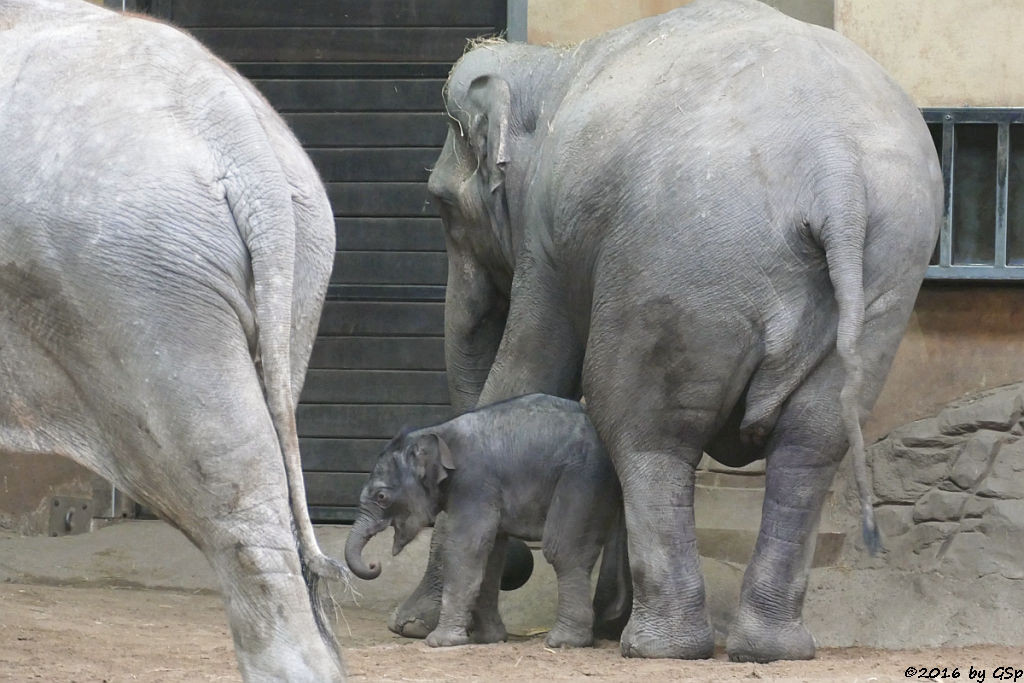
point(366, 527)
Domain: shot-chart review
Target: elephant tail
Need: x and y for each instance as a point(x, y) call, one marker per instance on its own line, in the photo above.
point(260, 199)
point(613, 597)
point(842, 236)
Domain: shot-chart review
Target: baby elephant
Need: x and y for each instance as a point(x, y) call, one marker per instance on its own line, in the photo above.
point(533, 468)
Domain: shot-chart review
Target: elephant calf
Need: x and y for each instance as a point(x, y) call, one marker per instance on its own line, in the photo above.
point(533, 468)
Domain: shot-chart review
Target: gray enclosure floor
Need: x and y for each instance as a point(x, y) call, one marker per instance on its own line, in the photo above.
point(136, 602)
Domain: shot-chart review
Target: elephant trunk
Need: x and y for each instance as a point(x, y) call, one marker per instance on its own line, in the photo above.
point(365, 528)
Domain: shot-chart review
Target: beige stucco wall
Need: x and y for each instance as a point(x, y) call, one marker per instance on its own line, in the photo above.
point(961, 339)
point(569, 21)
point(562, 21)
point(943, 52)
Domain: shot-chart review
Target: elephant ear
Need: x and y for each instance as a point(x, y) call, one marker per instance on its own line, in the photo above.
point(431, 449)
point(446, 454)
point(489, 108)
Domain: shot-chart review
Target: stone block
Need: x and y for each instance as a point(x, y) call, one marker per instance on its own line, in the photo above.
point(921, 545)
point(922, 434)
point(902, 474)
point(975, 458)
point(949, 506)
point(999, 410)
point(961, 554)
point(1001, 548)
point(1006, 477)
point(1005, 517)
point(894, 520)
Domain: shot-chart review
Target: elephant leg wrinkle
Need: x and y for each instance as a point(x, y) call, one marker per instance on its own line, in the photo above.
point(669, 616)
point(769, 622)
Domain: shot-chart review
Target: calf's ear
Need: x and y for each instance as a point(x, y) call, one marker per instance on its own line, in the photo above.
point(432, 448)
point(446, 454)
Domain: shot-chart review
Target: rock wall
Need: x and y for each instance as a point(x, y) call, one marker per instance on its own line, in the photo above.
point(950, 503)
point(949, 499)
point(950, 489)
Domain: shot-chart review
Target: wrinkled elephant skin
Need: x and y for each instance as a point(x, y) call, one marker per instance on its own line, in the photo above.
point(165, 246)
point(530, 468)
point(713, 224)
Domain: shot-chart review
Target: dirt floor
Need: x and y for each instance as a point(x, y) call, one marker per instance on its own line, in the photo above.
point(53, 633)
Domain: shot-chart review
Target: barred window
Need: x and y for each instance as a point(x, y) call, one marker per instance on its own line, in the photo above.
point(982, 153)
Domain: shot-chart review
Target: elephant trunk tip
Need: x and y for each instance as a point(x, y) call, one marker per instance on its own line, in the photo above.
point(372, 571)
point(365, 571)
point(360, 534)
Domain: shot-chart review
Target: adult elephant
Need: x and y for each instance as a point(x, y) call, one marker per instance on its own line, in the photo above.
point(714, 224)
point(165, 246)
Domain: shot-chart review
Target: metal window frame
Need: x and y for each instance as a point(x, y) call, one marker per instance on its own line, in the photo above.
point(1002, 118)
point(516, 20)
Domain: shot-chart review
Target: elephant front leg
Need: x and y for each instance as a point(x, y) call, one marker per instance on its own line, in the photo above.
point(487, 625)
point(769, 622)
point(669, 617)
point(465, 555)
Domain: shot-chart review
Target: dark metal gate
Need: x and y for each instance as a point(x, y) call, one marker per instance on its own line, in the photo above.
point(359, 82)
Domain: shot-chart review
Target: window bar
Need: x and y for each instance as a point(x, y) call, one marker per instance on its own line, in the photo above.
point(1002, 196)
point(948, 159)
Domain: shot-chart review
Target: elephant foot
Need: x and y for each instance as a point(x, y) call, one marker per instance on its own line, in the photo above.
point(488, 629)
point(753, 639)
point(650, 637)
point(568, 637)
point(417, 616)
point(448, 637)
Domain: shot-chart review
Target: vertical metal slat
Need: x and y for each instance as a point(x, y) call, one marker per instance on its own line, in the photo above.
point(948, 161)
point(1002, 195)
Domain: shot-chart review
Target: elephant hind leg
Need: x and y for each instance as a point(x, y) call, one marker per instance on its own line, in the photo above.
point(206, 457)
point(669, 617)
point(803, 455)
point(275, 631)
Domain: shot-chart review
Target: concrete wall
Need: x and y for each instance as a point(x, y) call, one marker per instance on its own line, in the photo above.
point(570, 21)
point(943, 52)
point(961, 339)
point(27, 485)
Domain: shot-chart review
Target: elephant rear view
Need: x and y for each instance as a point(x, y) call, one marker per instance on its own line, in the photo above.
point(165, 246)
point(714, 224)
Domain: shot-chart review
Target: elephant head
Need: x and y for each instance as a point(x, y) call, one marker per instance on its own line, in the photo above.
point(404, 491)
point(492, 98)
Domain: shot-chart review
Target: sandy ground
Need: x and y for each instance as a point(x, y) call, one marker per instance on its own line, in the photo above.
point(85, 634)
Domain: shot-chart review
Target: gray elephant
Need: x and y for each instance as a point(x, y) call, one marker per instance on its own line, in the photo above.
point(165, 246)
point(533, 468)
point(714, 224)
